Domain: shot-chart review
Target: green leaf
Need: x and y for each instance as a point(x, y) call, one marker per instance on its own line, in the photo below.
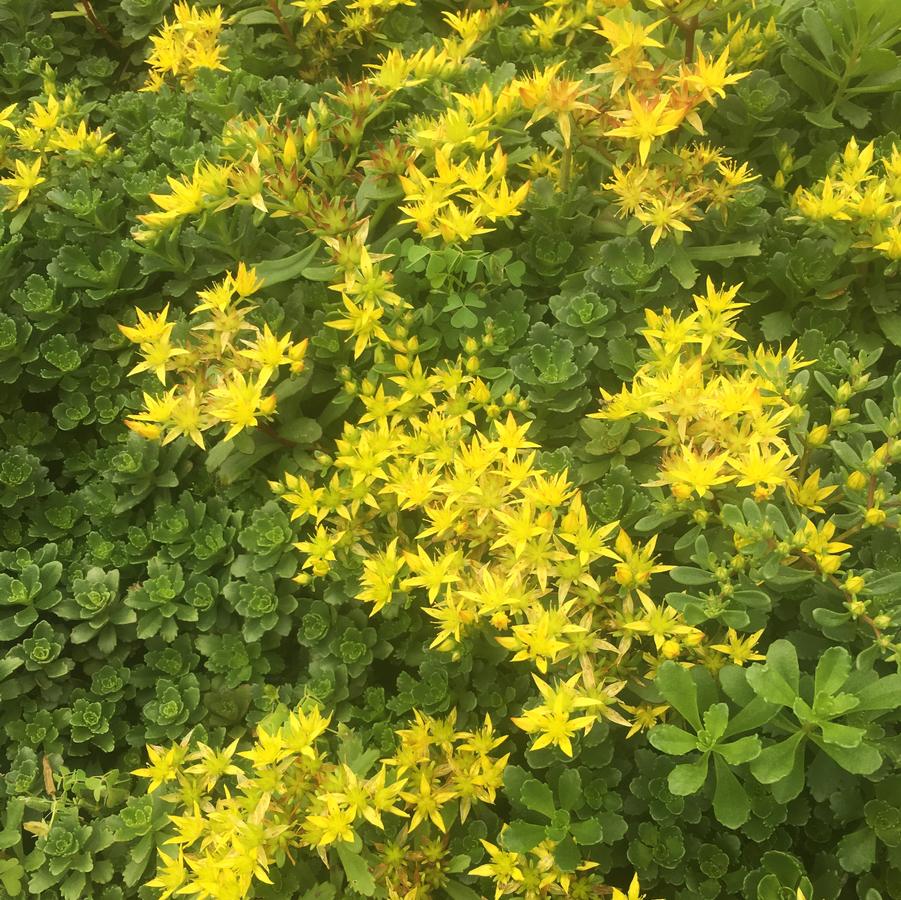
point(857, 851)
point(752, 715)
point(776, 761)
point(569, 788)
point(778, 679)
point(741, 751)
point(716, 718)
point(677, 687)
point(457, 891)
point(672, 740)
point(890, 323)
point(832, 671)
point(358, 875)
point(818, 30)
point(275, 271)
point(690, 575)
point(731, 805)
point(566, 855)
point(842, 735)
point(587, 832)
point(879, 695)
point(861, 760)
point(521, 836)
point(537, 797)
point(300, 430)
point(724, 252)
point(688, 778)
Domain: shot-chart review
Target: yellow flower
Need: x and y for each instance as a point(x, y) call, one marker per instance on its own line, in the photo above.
point(26, 179)
point(633, 894)
point(552, 719)
point(710, 77)
point(245, 281)
point(171, 874)
point(239, 401)
point(810, 494)
point(664, 215)
point(739, 650)
point(628, 36)
point(645, 123)
point(362, 322)
point(690, 472)
point(165, 765)
point(313, 9)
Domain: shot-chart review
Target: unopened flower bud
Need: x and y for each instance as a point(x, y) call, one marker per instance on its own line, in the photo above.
point(856, 481)
point(670, 649)
point(818, 435)
point(843, 394)
point(874, 516)
point(854, 584)
point(841, 415)
point(857, 608)
point(829, 565)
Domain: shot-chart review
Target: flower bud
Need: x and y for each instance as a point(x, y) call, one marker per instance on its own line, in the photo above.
point(882, 621)
point(857, 608)
point(843, 394)
point(856, 481)
point(470, 345)
point(854, 584)
point(841, 415)
point(670, 649)
point(874, 516)
point(829, 565)
point(818, 435)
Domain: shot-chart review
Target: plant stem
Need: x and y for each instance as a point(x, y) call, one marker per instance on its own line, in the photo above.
point(283, 24)
point(689, 29)
point(100, 28)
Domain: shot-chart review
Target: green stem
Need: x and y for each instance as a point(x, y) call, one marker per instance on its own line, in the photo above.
point(283, 24)
point(101, 29)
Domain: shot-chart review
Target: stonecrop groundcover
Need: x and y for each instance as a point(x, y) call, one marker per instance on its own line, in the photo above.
point(449, 449)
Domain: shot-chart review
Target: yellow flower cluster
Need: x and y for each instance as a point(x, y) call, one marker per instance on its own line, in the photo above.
point(669, 194)
point(562, 20)
point(366, 291)
point(862, 196)
point(536, 874)
point(421, 499)
point(326, 29)
point(222, 370)
point(186, 44)
point(748, 42)
point(204, 190)
point(459, 199)
point(395, 71)
point(721, 413)
point(234, 821)
point(42, 135)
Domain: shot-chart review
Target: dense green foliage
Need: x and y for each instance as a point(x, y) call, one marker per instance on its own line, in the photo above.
point(148, 588)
